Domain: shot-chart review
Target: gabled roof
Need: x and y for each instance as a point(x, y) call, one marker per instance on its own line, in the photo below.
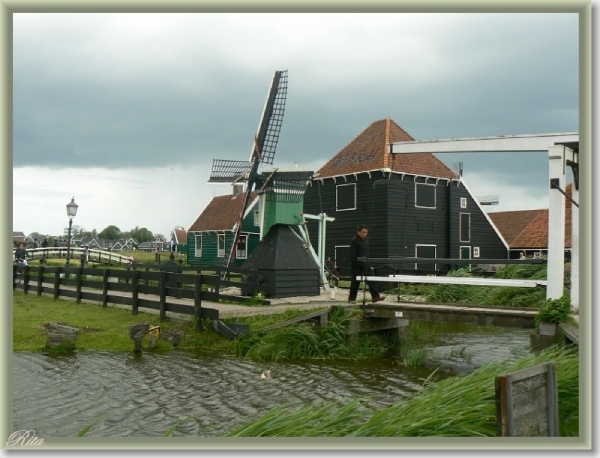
point(371, 151)
point(180, 236)
point(221, 214)
point(528, 229)
point(18, 234)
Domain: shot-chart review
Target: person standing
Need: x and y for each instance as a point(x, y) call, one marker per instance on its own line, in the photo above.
point(21, 255)
point(359, 248)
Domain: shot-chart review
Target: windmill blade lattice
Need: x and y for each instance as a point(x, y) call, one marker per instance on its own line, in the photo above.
point(227, 171)
point(271, 120)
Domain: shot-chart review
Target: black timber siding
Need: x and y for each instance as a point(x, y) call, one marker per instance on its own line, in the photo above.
point(483, 235)
point(396, 224)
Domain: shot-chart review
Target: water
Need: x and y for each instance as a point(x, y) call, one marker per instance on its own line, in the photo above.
point(145, 395)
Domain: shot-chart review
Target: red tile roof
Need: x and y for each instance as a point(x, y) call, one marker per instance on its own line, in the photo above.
point(221, 213)
point(370, 151)
point(181, 236)
point(528, 229)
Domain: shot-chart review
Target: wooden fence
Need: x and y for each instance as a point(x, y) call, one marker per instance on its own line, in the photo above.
point(119, 286)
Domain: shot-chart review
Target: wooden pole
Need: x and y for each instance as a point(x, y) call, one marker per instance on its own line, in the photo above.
point(163, 296)
point(198, 301)
point(105, 288)
point(135, 284)
point(57, 282)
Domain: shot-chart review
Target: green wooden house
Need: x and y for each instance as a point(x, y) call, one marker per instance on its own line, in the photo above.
point(210, 237)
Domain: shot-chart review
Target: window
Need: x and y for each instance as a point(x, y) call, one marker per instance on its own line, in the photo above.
point(198, 240)
point(425, 251)
point(256, 218)
point(221, 251)
point(463, 202)
point(465, 227)
point(475, 251)
point(424, 195)
point(241, 252)
point(345, 197)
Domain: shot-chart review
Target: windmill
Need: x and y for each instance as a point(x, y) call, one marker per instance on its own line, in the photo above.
point(263, 151)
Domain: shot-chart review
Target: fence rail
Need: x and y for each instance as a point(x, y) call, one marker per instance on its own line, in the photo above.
point(119, 286)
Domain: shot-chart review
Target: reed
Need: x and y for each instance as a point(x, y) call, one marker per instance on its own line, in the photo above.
point(461, 406)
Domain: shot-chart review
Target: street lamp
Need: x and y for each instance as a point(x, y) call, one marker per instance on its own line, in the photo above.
point(71, 212)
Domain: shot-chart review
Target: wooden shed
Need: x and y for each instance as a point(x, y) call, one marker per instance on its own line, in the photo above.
point(293, 270)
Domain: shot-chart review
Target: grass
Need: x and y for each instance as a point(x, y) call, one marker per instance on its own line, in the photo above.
point(108, 328)
point(461, 406)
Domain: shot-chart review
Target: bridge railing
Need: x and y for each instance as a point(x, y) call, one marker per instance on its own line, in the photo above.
point(92, 255)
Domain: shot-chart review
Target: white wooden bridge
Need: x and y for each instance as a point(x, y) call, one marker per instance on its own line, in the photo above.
point(92, 255)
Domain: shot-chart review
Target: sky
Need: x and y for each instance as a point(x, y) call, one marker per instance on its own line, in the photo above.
point(126, 111)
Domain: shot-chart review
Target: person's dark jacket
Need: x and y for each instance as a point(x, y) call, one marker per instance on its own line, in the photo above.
point(359, 249)
point(20, 253)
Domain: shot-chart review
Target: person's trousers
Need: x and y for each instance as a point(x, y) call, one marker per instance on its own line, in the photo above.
point(354, 283)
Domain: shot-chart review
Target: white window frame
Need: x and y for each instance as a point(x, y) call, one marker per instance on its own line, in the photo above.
point(460, 239)
point(416, 255)
point(239, 254)
point(198, 249)
point(220, 251)
point(434, 195)
point(463, 202)
point(256, 217)
point(476, 252)
point(336, 198)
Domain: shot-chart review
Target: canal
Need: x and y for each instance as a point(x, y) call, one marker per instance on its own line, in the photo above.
point(207, 393)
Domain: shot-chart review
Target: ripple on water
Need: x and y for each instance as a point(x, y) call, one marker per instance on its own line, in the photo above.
point(148, 394)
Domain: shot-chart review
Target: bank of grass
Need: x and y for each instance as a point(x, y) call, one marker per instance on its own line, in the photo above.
point(461, 406)
point(108, 328)
point(485, 295)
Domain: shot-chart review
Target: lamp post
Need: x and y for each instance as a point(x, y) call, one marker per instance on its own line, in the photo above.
point(71, 212)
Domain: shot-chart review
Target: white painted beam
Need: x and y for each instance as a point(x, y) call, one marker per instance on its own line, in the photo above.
point(556, 224)
point(575, 251)
point(457, 280)
point(508, 143)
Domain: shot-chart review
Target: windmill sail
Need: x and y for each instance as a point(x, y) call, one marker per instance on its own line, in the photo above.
point(271, 120)
point(263, 150)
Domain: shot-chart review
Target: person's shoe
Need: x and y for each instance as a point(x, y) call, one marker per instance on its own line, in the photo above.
point(378, 298)
point(351, 301)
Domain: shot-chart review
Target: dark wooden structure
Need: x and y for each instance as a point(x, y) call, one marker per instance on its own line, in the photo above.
point(294, 272)
point(414, 205)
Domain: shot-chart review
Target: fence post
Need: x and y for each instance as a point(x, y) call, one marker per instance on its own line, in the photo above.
point(105, 288)
point(163, 295)
point(57, 282)
point(40, 280)
point(26, 280)
point(135, 284)
point(78, 279)
point(198, 301)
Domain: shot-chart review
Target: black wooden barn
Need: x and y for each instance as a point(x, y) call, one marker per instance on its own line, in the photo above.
point(414, 205)
point(293, 270)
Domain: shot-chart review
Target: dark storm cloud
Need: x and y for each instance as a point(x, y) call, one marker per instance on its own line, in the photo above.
point(199, 93)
